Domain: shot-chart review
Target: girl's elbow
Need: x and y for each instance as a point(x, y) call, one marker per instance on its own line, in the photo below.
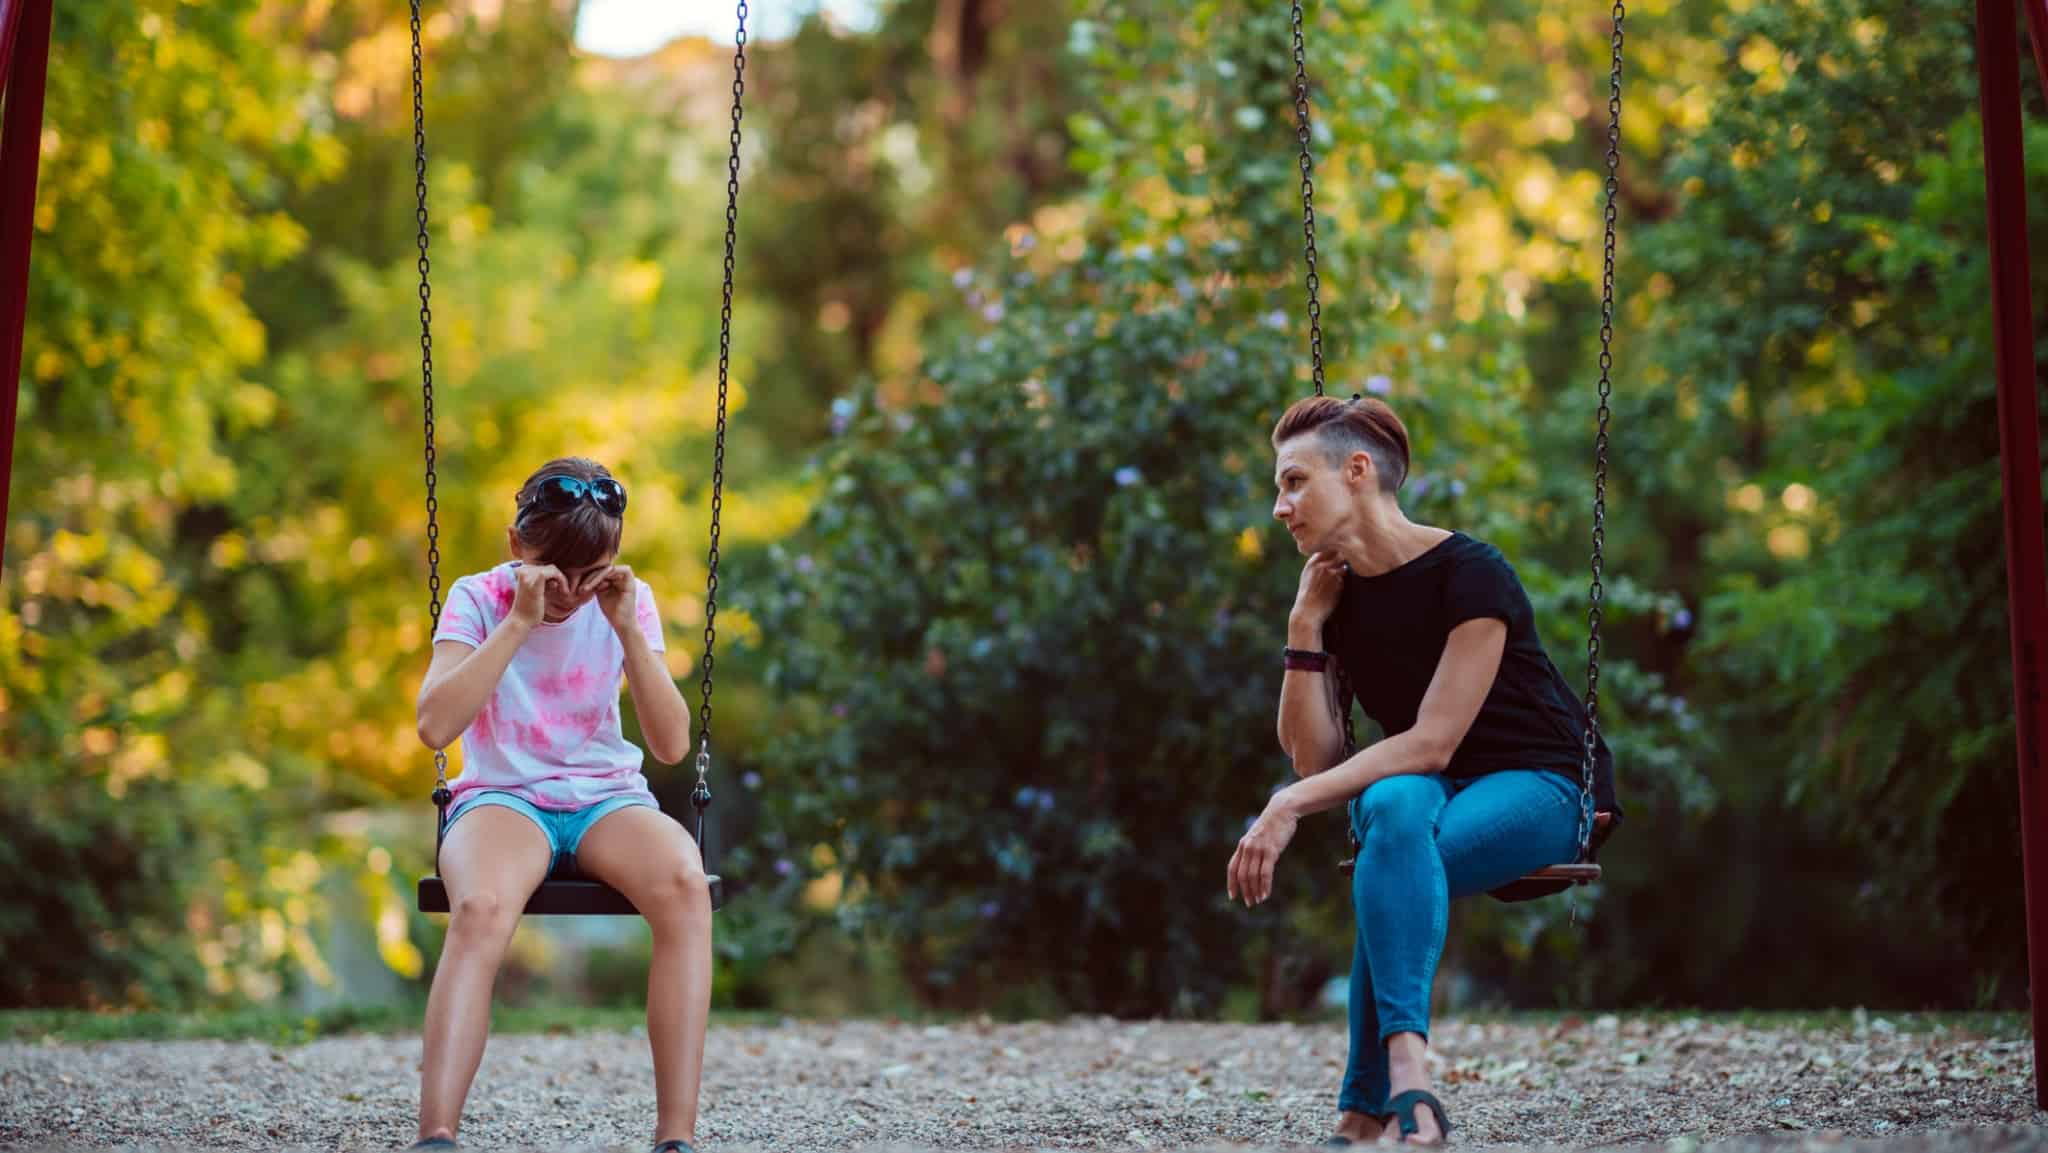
point(431, 734)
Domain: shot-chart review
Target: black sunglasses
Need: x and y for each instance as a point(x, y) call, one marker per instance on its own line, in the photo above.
point(561, 492)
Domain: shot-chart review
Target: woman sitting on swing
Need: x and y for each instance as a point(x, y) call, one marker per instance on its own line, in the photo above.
point(1477, 781)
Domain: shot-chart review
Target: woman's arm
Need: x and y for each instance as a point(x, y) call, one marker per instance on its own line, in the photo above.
point(1311, 732)
point(1464, 675)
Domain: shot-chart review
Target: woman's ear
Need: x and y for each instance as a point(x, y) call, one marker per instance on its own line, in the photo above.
point(1358, 469)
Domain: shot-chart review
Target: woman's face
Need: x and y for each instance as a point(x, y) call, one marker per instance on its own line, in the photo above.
point(1314, 499)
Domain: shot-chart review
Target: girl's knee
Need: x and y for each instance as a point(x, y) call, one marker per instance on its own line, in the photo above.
point(482, 916)
point(681, 893)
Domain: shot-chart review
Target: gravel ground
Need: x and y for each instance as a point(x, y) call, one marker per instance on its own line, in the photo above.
point(1080, 1084)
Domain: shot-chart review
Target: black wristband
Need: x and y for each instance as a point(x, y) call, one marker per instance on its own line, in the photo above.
point(1306, 660)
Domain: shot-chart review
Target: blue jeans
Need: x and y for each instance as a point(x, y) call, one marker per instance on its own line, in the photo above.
point(1424, 840)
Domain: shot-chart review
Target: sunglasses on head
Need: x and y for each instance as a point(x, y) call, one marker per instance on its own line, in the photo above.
point(561, 492)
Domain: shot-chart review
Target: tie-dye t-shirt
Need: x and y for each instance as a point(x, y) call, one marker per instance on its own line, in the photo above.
point(550, 732)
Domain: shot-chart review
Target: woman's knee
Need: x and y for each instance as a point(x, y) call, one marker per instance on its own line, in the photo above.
point(1408, 803)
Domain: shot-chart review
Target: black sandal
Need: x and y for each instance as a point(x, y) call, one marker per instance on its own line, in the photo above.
point(673, 1146)
point(1403, 1108)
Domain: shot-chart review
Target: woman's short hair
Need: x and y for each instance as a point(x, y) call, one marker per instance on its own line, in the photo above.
point(1343, 427)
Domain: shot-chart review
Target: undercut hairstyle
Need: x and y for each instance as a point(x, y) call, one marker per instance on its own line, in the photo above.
point(1342, 427)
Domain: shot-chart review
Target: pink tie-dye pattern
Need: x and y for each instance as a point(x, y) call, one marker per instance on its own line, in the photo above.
point(551, 731)
point(499, 585)
point(577, 682)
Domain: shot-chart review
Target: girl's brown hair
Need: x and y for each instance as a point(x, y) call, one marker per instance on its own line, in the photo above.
point(1365, 425)
point(577, 538)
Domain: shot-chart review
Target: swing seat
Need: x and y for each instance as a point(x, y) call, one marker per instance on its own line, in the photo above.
point(564, 894)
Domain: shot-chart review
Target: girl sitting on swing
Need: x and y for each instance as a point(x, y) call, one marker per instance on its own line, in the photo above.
point(527, 665)
point(1478, 781)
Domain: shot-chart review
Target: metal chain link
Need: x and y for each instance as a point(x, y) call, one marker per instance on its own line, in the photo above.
point(1308, 201)
point(701, 796)
point(1600, 442)
point(1315, 305)
point(419, 175)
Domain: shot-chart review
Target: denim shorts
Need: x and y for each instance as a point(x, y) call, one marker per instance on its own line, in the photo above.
point(564, 828)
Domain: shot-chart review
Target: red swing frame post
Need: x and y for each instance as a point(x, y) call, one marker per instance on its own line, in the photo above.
point(2019, 454)
point(24, 65)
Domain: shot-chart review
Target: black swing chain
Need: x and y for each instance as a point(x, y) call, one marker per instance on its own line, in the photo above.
point(419, 174)
point(1308, 201)
point(701, 795)
point(1342, 685)
point(1600, 442)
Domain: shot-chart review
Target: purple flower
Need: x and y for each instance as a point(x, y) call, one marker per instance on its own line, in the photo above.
point(1142, 252)
point(751, 780)
point(1176, 245)
point(1457, 488)
point(805, 564)
point(1045, 802)
point(962, 277)
point(839, 710)
point(1276, 319)
point(784, 867)
point(989, 909)
point(1127, 476)
point(993, 312)
point(1026, 797)
point(1027, 242)
point(1421, 486)
point(1379, 385)
point(1682, 619)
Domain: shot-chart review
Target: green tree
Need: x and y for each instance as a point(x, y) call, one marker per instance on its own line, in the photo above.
point(1826, 346)
point(142, 871)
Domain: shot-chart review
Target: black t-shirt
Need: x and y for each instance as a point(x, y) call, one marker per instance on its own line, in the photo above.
point(1389, 631)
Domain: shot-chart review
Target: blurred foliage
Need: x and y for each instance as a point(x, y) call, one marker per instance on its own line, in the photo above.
point(1019, 294)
